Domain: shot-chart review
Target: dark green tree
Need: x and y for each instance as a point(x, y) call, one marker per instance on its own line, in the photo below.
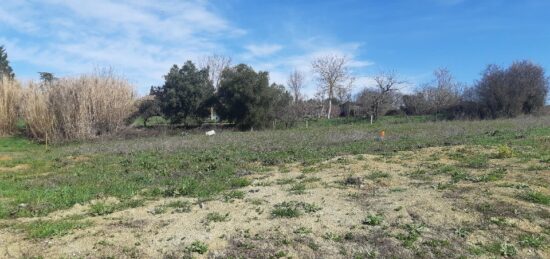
point(47, 78)
point(5, 68)
point(148, 107)
point(185, 94)
point(246, 98)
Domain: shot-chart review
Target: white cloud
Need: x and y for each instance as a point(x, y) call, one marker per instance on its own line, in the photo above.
point(140, 39)
point(262, 50)
point(280, 67)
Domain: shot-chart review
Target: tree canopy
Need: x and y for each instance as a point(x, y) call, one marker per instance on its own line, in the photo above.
point(5, 68)
point(186, 93)
point(246, 98)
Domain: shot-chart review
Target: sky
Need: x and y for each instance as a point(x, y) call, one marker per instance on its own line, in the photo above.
point(142, 39)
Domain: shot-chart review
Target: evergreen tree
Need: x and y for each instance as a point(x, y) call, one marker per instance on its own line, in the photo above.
point(185, 93)
point(246, 98)
point(5, 68)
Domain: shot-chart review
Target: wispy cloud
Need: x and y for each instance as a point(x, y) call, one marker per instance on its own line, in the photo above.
point(261, 50)
point(308, 50)
point(140, 39)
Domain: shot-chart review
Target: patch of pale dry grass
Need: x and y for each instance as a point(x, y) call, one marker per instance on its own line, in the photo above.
point(76, 108)
point(10, 92)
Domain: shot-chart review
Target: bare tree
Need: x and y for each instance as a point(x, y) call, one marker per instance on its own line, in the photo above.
point(381, 96)
point(444, 92)
point(333, 75)
point(296, 83)
point(320, 95)
point(216, 64)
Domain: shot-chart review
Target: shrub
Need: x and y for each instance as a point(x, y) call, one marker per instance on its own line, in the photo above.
point(9, 98)
point(197, 247)
point(293, 209)
point(77, 108)
point(246, 98)
point(504, 151)
point(373, 220)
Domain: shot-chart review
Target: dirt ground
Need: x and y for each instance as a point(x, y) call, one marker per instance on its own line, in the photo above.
point(425, 203)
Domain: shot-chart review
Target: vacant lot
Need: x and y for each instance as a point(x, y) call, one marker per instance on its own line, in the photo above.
point(430, 189)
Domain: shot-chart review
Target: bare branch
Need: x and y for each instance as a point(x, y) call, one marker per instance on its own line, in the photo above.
point(216, 64)
point(296, 83)
point(334, 76)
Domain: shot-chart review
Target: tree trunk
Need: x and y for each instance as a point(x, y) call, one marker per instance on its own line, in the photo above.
point(211, 113)
point(329, 108)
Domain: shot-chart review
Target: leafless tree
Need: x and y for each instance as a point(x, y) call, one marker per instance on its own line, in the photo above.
point(381, 96)
point(334, 76)
point(216, 64)
point(444, 92)
point(320, 95)
point(296, 83)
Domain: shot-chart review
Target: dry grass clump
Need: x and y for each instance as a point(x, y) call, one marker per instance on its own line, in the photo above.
point(76, 108)
point(9, 98)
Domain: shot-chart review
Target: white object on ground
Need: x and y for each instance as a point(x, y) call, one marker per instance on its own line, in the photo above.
point(210, 133)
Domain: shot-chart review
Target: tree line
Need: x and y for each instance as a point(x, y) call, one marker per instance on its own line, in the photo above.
point(218, 90)
point(519, 89)
point(240, 95)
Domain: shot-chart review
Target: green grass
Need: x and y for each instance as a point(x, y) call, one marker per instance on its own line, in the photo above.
point(203, 167)
point(217, 217)
point(197, 247)
point(413, 232)
point(180, 206)
point(297, 188)
point(377, 175)
point(534, 241)
point(536, 197)
point(501, 248)
point(373, 220)
point(293, 209)
point(476, 161)
point(233, 195)
point(102, 208)
point(49, 228)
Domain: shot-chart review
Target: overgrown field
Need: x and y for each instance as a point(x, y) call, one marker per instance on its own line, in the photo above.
point(430, 189)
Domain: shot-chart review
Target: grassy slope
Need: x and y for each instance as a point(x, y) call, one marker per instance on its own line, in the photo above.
point(202, 166)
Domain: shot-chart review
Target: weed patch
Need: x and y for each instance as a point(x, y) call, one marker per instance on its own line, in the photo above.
point(292, 209)
point(50, 228)
point(216, 217)
point(373, 220)
point(536, 197)
point(197, 247)
point(180, 206)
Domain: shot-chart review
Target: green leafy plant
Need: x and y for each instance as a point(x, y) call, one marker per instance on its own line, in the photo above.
point(197, 247)
point(373, 220)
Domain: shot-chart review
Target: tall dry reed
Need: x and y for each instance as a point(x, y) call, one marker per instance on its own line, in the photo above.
point(9, 99)
point(77, 108)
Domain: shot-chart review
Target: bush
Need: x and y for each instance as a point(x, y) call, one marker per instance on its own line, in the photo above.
point(77, 108)
point(504, 151)
point(9, 98)
point(246, 98)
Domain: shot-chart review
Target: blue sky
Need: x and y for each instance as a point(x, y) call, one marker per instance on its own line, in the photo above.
point(141, 39)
